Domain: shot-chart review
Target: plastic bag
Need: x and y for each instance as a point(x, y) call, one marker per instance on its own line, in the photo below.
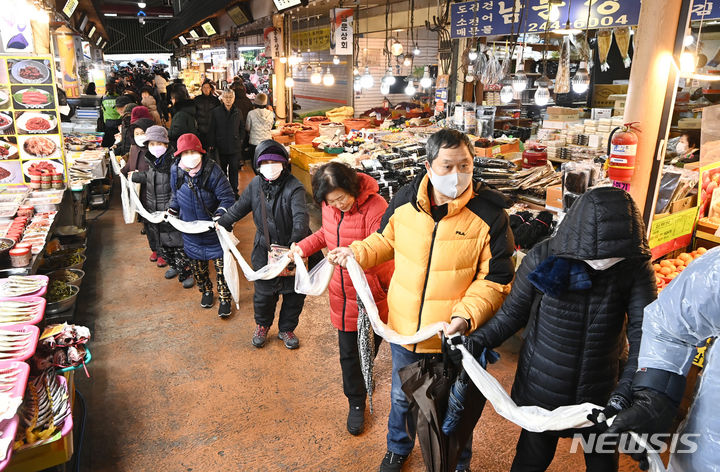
point(230, 268)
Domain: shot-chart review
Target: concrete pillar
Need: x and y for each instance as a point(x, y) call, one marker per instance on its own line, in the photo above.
point(651, 93)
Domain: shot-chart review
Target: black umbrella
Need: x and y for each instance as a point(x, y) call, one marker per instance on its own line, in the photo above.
point(427, 385)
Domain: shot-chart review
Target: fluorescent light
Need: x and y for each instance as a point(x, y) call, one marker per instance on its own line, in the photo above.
point(110, 14)
point(142, 4)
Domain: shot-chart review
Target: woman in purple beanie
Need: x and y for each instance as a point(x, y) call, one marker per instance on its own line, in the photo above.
point(277, 200)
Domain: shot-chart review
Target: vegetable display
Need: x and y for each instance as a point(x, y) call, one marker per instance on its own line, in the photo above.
point(58, 291)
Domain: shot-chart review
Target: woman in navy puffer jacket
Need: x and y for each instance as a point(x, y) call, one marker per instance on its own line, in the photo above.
point(201, 191)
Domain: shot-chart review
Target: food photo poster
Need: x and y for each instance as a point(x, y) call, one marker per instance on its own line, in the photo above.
point(30, 139)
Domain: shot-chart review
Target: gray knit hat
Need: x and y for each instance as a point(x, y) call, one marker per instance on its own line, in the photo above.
point(157, 133)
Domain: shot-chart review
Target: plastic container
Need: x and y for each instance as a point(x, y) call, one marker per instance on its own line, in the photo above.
point(26, 210)
point(57, 184)
point(29, 349)
point(20, 257)
point(38, 315)
point(37, 293)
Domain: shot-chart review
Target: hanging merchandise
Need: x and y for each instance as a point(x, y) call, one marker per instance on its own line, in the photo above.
point(604, 41)
point(621, 153)
point(492, 73)
point(562, 79)
point(622, 38)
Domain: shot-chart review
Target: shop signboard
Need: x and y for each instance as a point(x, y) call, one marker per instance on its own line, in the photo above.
point(672, 232)
point(273, 42)
point(492, 17)
point(317, 39)
point(30, 139)
point(70, 7)
point(341, 31)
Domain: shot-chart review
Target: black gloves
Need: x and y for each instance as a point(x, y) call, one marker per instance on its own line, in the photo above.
point(615, 404)
point(650, 412)
point(456, 356)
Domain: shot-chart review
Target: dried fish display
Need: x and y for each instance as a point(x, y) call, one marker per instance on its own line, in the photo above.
point(44, 410)
point(19, 311)
point(622, 38)
point(604, 41)
point(562, 79)
point(19, 285)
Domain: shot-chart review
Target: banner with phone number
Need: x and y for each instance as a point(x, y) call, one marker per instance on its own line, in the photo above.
point(495, 17)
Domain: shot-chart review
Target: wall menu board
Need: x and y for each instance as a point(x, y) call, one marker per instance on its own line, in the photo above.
point(30, 139)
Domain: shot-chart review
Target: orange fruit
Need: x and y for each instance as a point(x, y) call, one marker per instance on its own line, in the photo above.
point(666, 271)
point(701, 251)
point(666, 263)
point(657, 267)
point(694, 254)
point(685, 257)
point(672, 275)
point(679, 262)
point(680, 269)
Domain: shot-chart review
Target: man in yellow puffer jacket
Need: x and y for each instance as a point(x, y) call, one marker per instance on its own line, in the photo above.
point(452, 246)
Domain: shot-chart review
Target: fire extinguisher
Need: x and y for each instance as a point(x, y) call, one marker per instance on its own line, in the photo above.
point(622, 150)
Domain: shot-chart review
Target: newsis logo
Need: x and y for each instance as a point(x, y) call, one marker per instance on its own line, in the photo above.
point(659, 443)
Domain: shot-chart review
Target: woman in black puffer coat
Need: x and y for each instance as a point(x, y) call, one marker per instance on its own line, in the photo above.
point(159, 158)
point(287, 222)
point(574, 293)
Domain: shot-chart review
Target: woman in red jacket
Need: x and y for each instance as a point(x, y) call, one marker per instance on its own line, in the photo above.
point(351, 211)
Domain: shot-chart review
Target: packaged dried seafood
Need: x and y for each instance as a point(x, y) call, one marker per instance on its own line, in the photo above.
point(604, 41)
point(622, 38)
point(562, 79)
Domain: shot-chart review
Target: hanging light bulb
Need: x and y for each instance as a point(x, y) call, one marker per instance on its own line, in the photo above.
point(542, 94)
point(384, 87)
point(357, 86)
point(356, 71)
point(519, 82)
point(407, 62)
point(687, 63)
point(581, 81)
point(336, 60)
point(389, 78)
point(416, 50)
point(410, 89)
point(309, 69)
point(473, 55)
point(688, 40)
point(367, 80)
point(328, 79)
point(426, 81)
point(506, 93)
point(316, 76)
point(470, 77)
point(289, 82)
point(397, 48)
point(283, 60)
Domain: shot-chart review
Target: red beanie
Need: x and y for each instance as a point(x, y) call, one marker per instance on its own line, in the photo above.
point(139, 112)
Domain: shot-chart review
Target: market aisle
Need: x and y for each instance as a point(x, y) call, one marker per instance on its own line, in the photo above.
point(174, 388)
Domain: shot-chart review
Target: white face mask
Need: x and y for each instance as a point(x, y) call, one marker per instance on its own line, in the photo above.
point(681, 148)
point(602, 264)
point(141, 140)
point(272, 170)
point(157, 150)
point(450, 185)
point(190, 160)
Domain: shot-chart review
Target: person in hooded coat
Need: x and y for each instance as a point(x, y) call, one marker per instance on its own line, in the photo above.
point(351, 210)
point(159, 159)
point(685, 315)
point(577, 294)
point(200, 191)
point(287, 222)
